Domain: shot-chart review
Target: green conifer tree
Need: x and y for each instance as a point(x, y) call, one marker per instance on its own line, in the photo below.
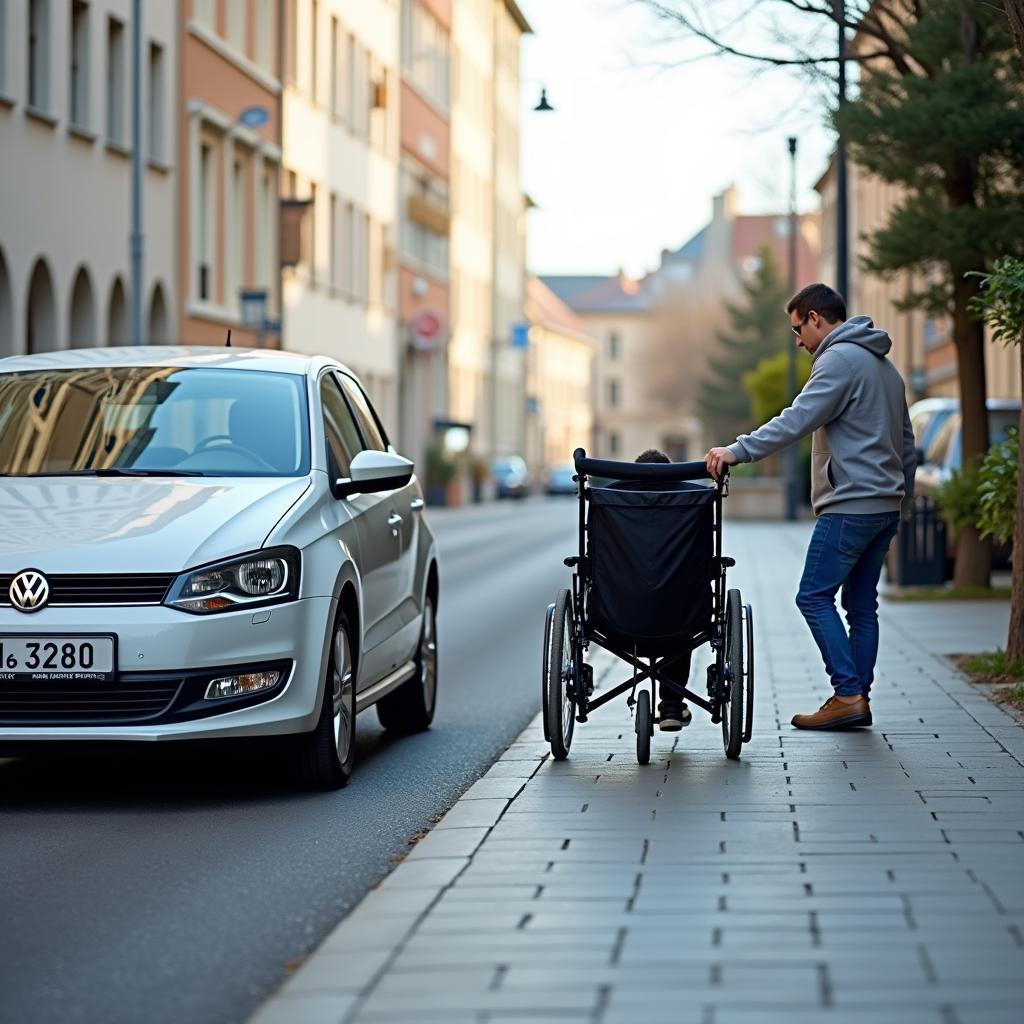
point(757, 331)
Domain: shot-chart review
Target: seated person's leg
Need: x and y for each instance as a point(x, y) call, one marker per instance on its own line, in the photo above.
point(673, 713)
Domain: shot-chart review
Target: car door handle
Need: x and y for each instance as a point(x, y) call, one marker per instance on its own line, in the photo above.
point(416, 505)
point(394, 520)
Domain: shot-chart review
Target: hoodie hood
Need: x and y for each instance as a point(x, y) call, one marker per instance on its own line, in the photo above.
point(858, 330)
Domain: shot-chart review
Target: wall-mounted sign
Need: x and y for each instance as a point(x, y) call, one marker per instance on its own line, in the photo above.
point(254, 117)
point(427, 329)
point(520, 335)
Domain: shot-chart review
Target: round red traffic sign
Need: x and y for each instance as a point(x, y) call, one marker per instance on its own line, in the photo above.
point(427, 329)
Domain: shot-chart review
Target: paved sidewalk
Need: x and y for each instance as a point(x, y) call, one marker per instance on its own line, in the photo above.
point(875, 875)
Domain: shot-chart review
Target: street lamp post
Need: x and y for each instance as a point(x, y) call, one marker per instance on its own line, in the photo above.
point(791, 466)
point(137, 241)
point(842, 205)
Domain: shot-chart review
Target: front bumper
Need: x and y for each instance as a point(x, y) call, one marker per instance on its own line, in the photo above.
point(159, 642)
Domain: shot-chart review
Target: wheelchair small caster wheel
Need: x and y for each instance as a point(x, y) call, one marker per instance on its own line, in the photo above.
point(644, 727)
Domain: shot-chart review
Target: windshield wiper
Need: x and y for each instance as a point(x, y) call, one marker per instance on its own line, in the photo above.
point(116, 471)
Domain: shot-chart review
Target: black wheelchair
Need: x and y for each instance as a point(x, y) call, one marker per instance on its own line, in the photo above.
point(649, 586)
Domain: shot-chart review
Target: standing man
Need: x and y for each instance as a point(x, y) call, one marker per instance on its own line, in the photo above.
point(862, 469)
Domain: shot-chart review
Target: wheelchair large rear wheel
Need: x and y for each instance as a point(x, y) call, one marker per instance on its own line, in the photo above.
point(748, 696)
point(559, 676)
point(733, 721)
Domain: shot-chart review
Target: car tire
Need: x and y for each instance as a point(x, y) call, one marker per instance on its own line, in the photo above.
point(325, 756)
point(410, 708)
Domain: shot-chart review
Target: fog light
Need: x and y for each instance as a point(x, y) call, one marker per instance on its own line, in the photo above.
point(239, 686)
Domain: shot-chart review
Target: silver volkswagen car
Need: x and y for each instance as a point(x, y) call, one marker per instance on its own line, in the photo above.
point(207, 544)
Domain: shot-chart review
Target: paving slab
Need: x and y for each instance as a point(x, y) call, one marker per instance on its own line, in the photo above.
point(840, 877)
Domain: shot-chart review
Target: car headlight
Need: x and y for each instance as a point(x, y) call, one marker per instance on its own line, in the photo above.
point(263, 577)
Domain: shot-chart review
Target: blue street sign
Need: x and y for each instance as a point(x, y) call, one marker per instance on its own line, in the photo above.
point(254, 117)
point(520, 335)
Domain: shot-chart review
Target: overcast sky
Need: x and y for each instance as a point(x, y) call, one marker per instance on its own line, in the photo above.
point(629, 162)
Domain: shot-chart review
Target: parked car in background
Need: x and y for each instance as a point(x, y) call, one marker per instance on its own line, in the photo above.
point(560, 479)
point(208, 544)
point(927, 417)
point(943, 453)
point(511, 477)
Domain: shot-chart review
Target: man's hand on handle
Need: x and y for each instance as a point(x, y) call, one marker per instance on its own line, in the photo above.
point(717, 459)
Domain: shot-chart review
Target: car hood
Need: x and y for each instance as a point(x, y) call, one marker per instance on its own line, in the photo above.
point(137, 525)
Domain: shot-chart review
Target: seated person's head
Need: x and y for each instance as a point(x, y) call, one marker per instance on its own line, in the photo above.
point(652, 455)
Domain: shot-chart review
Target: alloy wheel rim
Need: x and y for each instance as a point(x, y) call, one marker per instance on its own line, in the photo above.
point(342, 693)
point(428, 658)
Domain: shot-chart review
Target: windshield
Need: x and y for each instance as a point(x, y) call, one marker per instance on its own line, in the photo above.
point(153, 421)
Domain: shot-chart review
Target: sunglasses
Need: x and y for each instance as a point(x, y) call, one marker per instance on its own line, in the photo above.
point(797, 328)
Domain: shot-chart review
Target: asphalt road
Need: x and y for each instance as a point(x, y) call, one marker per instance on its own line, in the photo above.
point(170, 888)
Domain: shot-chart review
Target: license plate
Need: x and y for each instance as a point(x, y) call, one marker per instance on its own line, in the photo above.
point(56, 657)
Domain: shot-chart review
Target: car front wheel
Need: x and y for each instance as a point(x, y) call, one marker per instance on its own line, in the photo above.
point(326, 754)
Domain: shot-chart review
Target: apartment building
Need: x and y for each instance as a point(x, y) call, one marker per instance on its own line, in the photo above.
point(230, 156)
point(486, 356)
point(341, 159)
point(559, 380)
point(424, 215)
point(65, 169)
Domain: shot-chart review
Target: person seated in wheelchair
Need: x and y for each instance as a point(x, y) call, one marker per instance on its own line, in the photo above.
point(673, 714)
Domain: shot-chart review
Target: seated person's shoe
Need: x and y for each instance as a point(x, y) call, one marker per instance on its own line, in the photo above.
point(673, 715)
point(836, 714)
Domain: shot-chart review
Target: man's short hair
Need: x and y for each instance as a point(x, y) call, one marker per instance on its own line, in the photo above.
point(652, 455)
point(824, 301)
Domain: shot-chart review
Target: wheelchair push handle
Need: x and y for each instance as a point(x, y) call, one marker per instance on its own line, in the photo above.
point(642, 470)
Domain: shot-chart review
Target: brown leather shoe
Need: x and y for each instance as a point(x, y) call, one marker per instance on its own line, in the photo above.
point(836, 714)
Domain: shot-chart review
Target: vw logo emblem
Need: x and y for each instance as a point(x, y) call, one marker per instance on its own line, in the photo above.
point(29, 591)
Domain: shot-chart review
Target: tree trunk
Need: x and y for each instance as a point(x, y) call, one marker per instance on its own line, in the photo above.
point(1015, 15)
point(973, 554)
point(1015, 637)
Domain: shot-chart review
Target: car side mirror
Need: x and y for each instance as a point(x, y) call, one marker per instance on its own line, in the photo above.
point(372, 471)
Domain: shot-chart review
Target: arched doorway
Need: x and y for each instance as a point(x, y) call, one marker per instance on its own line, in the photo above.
point(158, 329)
point(40, 311)
point(82, 313)
point(6, 311)
point(117, 315)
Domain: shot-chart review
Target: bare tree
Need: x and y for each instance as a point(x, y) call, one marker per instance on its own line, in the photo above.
point(1015, 15)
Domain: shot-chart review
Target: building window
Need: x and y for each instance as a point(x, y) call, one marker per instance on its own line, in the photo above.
point(236, 25)
point(332, 242)
point(613, 344)
point(204, 284)
point(155, 95)
point(291, 41)
point(203, 12)
point(239, 222)
point(348, 270)
point(314, 50)
point(351, 84)
point(266, 32)
point(79, 56)
point(39, 54)
point(613, 393)
point(423, 228)
point(335, 97)
point(265, 221)
point(309, 256)
point(426, 56)
point(613, 443)
point(115, 81)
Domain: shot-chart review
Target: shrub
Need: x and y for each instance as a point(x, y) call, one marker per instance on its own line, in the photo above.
point(997, 489)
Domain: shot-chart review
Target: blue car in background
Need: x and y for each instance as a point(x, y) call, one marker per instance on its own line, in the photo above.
point(511, 477)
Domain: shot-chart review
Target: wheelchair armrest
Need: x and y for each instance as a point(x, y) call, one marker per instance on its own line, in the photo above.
point(726, 562)
point(571, 562)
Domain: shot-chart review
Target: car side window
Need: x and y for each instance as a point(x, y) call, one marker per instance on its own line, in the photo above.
point(369, 426)
point(339, 427)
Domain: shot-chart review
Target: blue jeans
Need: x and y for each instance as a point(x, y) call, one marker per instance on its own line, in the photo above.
point(846, 551)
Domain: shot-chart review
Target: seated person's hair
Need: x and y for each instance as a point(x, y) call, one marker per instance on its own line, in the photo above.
point(652, 455)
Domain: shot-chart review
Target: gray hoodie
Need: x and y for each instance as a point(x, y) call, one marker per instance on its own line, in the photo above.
point(862, 453)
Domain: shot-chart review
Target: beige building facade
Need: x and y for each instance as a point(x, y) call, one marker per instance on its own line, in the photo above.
point(65, 168)
point(486, 371)
point(560, 380)
point(341, 159)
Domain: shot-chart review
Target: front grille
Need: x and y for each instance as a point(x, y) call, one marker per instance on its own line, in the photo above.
point(46, 703)
point(69, 590)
